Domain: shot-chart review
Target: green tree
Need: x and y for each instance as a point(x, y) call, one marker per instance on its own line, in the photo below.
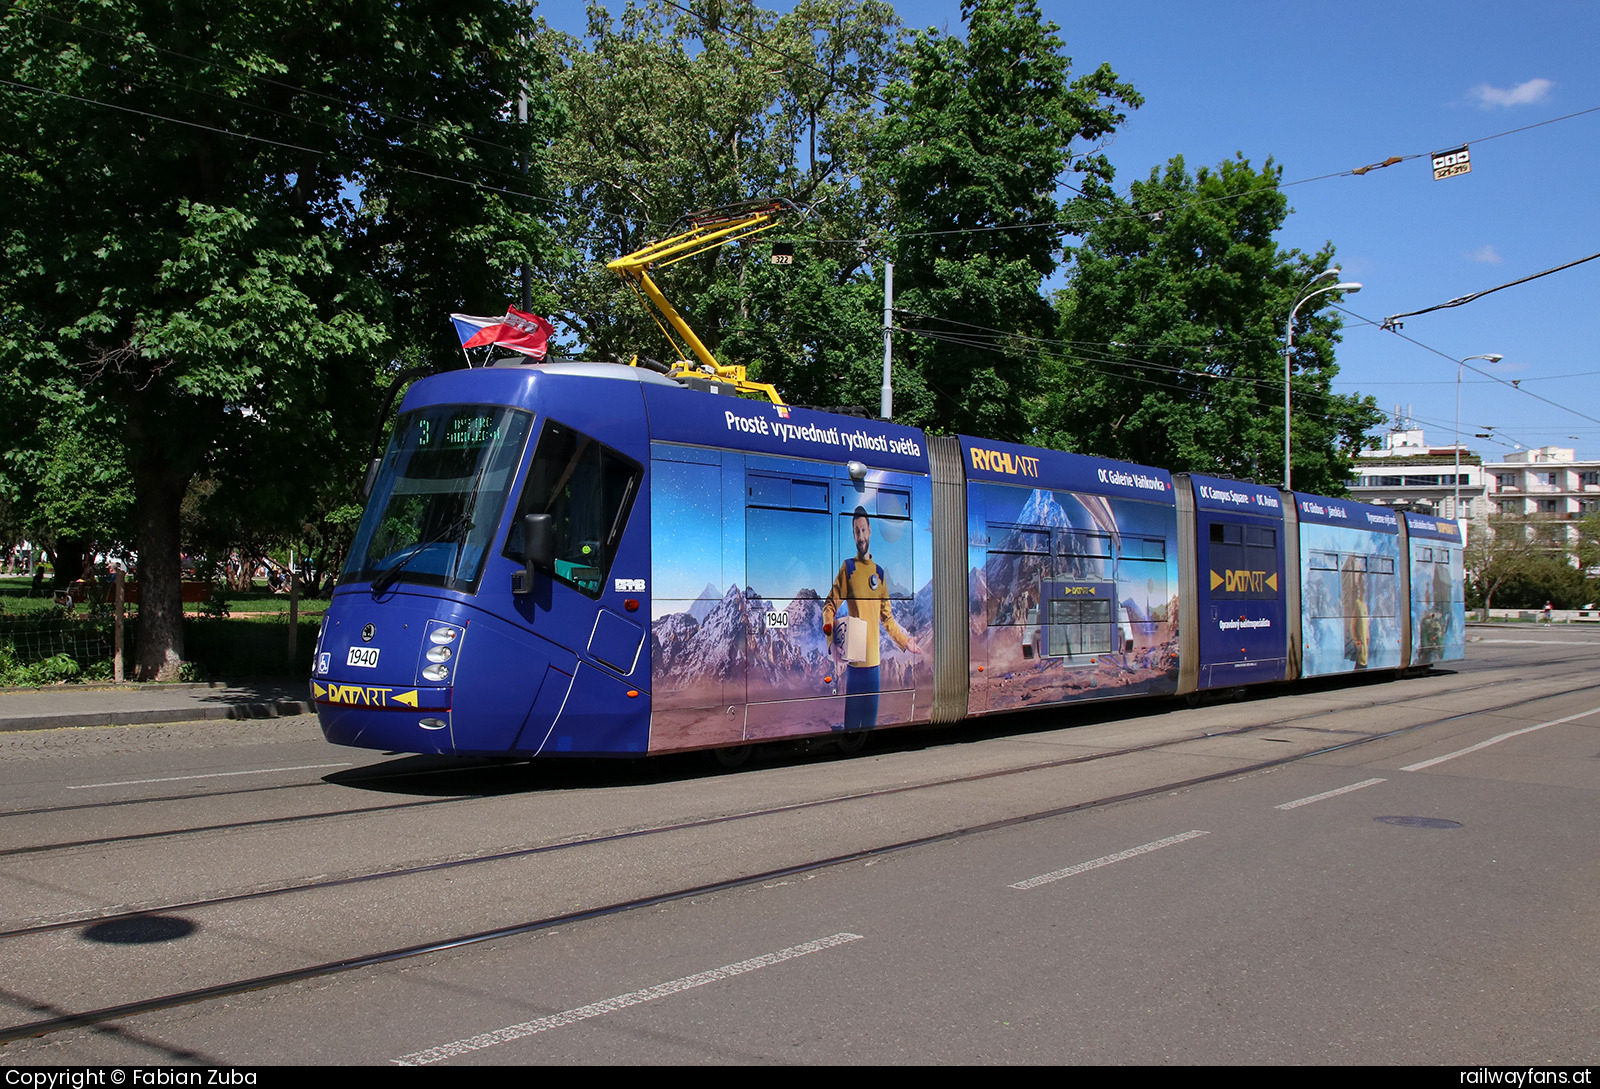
point(1173, 323)
point(68, 487)
point(1588, 550)
point(1521, 565)
point(671, 113)
point(223, 222)
point(977, 141)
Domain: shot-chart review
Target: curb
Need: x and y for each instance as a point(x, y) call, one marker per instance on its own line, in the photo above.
point(157, 716)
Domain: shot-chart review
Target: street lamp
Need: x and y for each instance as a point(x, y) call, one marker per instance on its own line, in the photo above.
point(1311, 291)
point(1492, 358)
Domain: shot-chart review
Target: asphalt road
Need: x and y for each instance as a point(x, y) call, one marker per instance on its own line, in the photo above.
point(1349, 872)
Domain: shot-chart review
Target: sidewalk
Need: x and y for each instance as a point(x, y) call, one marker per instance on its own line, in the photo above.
point(128, 704)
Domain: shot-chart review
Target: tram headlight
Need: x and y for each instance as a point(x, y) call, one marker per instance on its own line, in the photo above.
point(442, 635)
point(436, 672)
point(438, 654)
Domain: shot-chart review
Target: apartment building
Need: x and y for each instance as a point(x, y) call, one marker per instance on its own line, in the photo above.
point(1548, 488)
point(1407, 474)
point(1547, 485)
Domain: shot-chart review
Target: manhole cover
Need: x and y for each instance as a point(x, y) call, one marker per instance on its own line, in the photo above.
point(140, 931)
point(1420, 822)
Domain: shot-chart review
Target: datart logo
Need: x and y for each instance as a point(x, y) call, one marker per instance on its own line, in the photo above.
point(1245, 582)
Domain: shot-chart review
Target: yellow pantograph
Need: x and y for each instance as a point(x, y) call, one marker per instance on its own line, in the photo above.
point(706, 231)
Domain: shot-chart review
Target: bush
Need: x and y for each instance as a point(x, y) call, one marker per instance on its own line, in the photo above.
point(1540, 579)
point(52, 670)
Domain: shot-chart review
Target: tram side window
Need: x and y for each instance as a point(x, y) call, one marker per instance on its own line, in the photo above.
point(1076, 554)
point(1384, 588)
point(891, 536)
point(588, 489)
point(1017, 562)
point(787, 550)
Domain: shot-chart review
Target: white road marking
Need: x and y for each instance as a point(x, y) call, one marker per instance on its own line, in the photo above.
point(1420, 765)
point(620, 1002)
point(1131, 852)
point(1541, 642)
point(209, 775)
point(1298, 802)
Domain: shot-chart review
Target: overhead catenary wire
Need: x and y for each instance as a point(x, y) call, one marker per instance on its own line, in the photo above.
point(1512, 384)
point(354, 108)
point(1054, 224)
point(1391, 322)
point(1119, 376)
point(320, 153)
point(1158, 213)
point(347, 104)
point(754, 43)
point(989, 336)
point(1500, 438)
point(510, 191)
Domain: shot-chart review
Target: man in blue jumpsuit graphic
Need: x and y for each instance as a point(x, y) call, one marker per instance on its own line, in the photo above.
point(863, 589)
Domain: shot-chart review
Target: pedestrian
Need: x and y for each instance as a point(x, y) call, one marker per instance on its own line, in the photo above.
point(1548, 607)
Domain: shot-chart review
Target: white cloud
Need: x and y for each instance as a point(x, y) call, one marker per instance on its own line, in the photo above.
point(1487, 254)
point(1523, 94)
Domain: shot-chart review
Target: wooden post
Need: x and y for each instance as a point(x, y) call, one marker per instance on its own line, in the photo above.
point(294, 611)
point(116, 630)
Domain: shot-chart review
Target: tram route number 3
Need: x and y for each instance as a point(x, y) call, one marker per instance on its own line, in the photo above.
point(363, 656)
point(777, 619)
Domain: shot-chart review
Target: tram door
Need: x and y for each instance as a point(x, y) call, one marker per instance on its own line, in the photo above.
point(824, 551)
point(792, 681)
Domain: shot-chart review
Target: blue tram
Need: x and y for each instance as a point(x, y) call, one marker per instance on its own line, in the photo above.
point(591, 559)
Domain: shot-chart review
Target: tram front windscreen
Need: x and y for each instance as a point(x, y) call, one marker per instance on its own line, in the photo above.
point(439, 496)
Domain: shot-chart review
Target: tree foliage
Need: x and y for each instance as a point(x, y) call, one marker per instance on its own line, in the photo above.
point(229, 227)
point(1174, 324)
point(670, 113)
point(225, 221)
point(977, 140)
point(891, 142)
point(1522, 565)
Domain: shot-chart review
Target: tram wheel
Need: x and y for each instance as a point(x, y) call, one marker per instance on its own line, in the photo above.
point(851, 743)
point(733, 756)
point(1193, 699)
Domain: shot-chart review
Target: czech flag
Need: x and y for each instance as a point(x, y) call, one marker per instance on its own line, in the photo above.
point(525, 333)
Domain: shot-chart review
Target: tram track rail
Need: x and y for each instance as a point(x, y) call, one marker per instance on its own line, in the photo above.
point(348, 780)
point(527, 926)
point(1553, 665)
point(175, 999)
point(1293, 721)
point(205, 795)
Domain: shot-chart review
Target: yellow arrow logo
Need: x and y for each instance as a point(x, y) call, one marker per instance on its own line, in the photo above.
point(407, 698)
point(1272, 582)
point(318, 689)
point(1216, 580)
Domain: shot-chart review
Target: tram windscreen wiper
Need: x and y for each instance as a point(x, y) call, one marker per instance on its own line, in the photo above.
point(460, 527)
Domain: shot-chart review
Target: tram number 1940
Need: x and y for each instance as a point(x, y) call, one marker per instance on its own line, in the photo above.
point(777, 619)
point(363, 656)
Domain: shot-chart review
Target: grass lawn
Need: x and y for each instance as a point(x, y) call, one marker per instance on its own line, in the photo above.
point(18, 599)
point(252, 641)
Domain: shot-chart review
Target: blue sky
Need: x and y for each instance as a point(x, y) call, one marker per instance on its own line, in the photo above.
point(1326, 88)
